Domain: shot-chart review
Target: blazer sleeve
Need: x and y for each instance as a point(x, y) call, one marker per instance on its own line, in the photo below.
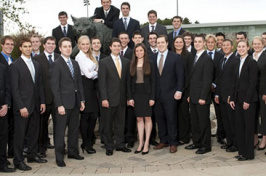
point(207, 78)
point(41, 88)
point(110, 23)
point(102, 80)
point(81, 91)
point(115, 29)
point(253, 76)
point(55, 84)
point(179, 74)
point(152, 81)
point(7, 88)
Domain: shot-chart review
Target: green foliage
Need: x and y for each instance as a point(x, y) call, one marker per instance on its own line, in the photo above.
point(186, 21)
point(197, 22)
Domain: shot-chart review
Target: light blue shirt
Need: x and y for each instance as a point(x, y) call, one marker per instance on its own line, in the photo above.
point(7, 57)
point(159, 57)
point(30, 66)
point(176, 32)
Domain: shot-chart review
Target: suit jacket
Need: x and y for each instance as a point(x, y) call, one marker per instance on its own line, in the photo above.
point(262, 74)
point(188, 61)
point(244, 87)
point(5, 97)
point(201, 79)
point(3, 60)
point(218, 57)
point(119, 27)
point(102, 56)
point(111, 17)
point(111, 87)
point(172, 78)
point(160, 29)
point(128, 54)
point(171, 38)
point(45, 67)
point(25, 92)
point(225, 80)
point(149, 83)
point(67, 91)
point(220, 51)
point(57, 33)
point(193, 51)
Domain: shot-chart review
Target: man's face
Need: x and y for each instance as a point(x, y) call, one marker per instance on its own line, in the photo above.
point(264, 38)
point(49, 46)
point(63, 19)
point(162, 44)
point(96, 45)
point(115, 48)
point(152, 40)
point(227, 47)
point(26, 49)
point(240, 37)
point(199, 43)
point(176, 23)
point(106, 4)
point(257, 45)
point(36, 43)
point(125, 10)
point(137, 39)
point(124, 40)
point(211, 44)
point(8, 47)
point(188, 40)
point(152, 18)
point(220, 40)
point(66, 49)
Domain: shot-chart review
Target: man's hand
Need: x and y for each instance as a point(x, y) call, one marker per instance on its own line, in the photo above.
point(216, 99)
point(61, 110)
point(3, 111)
point(232, 104)
point(131, 102)
point(105, 104)
point(42, 108)
point(82, 106)
point(97, 20)
point(151, 102)
point(188, 99)
point(24, 112)
point(202, 102)
point(177, 95)
point(246, 105)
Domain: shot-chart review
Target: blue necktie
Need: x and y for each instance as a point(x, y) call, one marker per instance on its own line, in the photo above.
point(65, 33)
point(50, 59)
point(210, 53)
point(70, 68)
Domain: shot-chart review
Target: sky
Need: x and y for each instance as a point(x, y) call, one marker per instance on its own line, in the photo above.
point(43, 14)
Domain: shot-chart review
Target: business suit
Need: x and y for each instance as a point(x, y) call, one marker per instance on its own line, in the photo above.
point(200, 88)
point(45, 67)
point(224, 82)
point(244, 90)
point(113, 89)
point(150, 52)
point(128, 54)
point(67, 92)
point(5, 99)
point(28, 94)
point(171, 38)
point(112, 16)
point(132, 26)
point(159, 29)
point(166, 85)
point(57, 33)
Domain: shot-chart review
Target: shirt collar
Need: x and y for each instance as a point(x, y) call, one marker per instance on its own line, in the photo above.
point(66, 59)
point(229, 55)
point(164, 53)
point(198, 54)
point(114, 57)
point(5, 55)
point(153, 25)
point(177, 31)
point(258, 55)
point(25, 58)
point(47, 54)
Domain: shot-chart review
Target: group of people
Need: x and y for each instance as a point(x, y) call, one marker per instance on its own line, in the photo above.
point(149, 78)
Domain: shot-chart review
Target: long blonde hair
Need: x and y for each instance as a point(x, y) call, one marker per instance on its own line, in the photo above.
point(89, 52)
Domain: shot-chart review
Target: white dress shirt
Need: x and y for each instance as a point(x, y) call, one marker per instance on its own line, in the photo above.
point(150, 26)
point(30, 66)
point(47, 54)
point(119, 60)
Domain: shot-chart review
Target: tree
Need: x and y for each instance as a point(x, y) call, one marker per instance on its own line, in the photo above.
point(12, 11)
point(186, 21)
point(197, 22)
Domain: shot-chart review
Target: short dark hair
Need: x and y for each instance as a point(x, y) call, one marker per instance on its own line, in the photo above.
point(200, 35)
point(114, 40)
point(228, 40)
point(95, 38)
point(163, 36)
point(178, 17)
point(152, 33)
point(123, 33)
point(6, 37)
point(152, 12)
point(137, 32)
point(242, 33)
point(49, 38)
point(264, 33)
point(62, 13)
point(62, 40)
point(125, 3)
point(220, 34)
point(24, 40)
point(188, 34)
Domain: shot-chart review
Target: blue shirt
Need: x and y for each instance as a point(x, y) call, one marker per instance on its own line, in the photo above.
point(7, 56)
point(177, 32)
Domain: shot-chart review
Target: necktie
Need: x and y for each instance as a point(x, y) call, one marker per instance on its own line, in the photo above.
point(70, 68)
point(154, 51)
point(195, 60)
point(152, 28)
point(65, 33)
point(50, 59)
point(161, 64)
point(175, 34)
point(105, 14)
point(122, 53)
point(125, 23)
point(210, 53)
point(31, 68)
point(118, 67)
point(9, 60)
point(97, 58)
point(224, 62)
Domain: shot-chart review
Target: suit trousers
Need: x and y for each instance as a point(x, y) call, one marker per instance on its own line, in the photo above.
point(26, 127)
point(263, 116)
point(166, 117)
point(153, 130)
point(228, 117)
point(87, 126)
point(116, 116)
point(3, 139)
point(130, 125)
point(220, 127)
point(10, 142)
point(245, 120)
point(70, 120)
point(200, 125)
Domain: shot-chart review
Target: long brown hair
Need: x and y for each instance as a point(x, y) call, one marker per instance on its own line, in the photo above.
point(134, 61)
point(184, 51)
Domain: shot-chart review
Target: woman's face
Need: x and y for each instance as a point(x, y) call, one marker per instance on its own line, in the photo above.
point(257, 45)
point(242, 48)
point(179, 44)
point(139, 52)
point(84, 45)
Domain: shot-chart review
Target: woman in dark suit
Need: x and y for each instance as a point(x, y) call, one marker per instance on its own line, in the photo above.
point(260, 57)
point(141, 94)
point(89, 71)
point(244, 100)
point(183, 115)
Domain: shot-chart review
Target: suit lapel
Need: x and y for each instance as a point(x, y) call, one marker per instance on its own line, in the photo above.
point(25, 67)
point(113, 67)
point(64, 64)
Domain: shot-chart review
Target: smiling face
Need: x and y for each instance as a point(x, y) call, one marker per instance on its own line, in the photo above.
point(49, 46)
point(257, 45)
point(125, 10)
point(162, 44)
point(36, 43)
point(220, 40)
point(96, 45)
point(63, 19)
point(84, 45)
point(176, 23)
point(152, 40)
point(26, 49)
point(242, 48)
point(115, 48)
point(124, 40)
point(179, 44)
point(66, 49)
point(106, 4)
point(211, 43)
point(8, 47)
point(152, 18)
point(227, 47)
point(137, 39)
point(139, 52)
point(188, 40)
point(199, 43)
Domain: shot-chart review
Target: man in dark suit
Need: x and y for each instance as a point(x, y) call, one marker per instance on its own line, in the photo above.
point(178, 30)
point(263, 36)
point(200, 98)
point(188, 37)
point(152, 39)
point(7, 44)
point(107, 14)
point(45, 60)
point(126, 24)
point(169, 86)
point(137, 37)
point(225, 80)
point(112, 77)
point(5, 102)
point(63, 30)
point(153, 26)
point(96, 48)
point(220, 39)
point(242, 36)
point(125, 50)
point(216, 57)
point(67, 89)
point(29, 102)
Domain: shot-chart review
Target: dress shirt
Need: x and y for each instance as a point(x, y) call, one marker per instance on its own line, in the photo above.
point(256, 59)
point(150, 26)
point(124, 51)
point(213, 52)
point(241, 64)
point(47, 54)
point(159, 57)
point(189, 48)
point(152, 49)
point(7, 57)
point(62, 27)
point(106, 11)
point(87, 66)
point(176, 33)
point(30, 66)
point(37, 53)
point(119, 60)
